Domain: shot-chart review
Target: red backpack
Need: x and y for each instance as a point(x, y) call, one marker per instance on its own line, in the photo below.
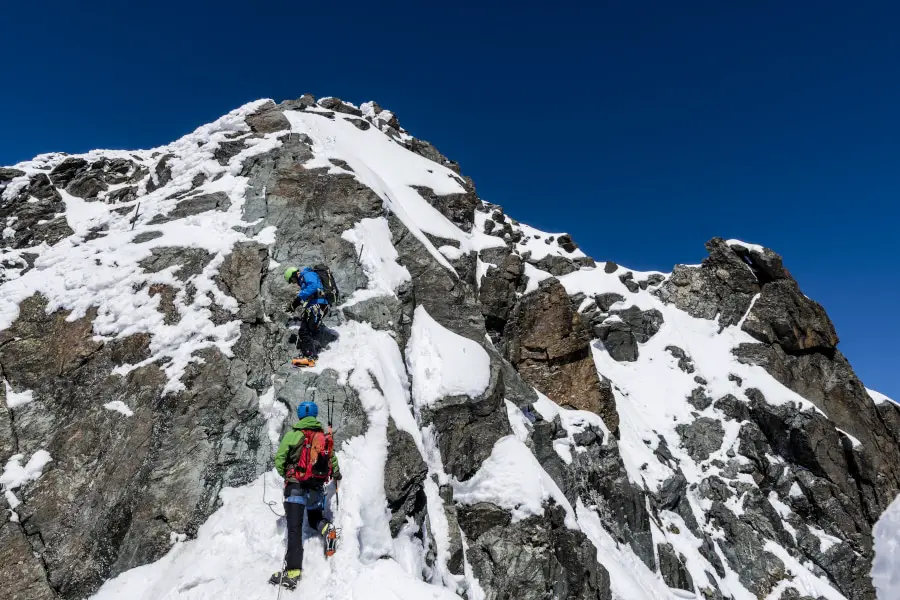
point(313, 457)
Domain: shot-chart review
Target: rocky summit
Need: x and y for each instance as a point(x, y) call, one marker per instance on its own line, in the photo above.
point(515, 420)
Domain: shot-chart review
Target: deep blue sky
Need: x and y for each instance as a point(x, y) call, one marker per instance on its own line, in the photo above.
point(643, 128)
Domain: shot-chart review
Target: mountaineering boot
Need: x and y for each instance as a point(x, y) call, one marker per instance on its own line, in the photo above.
point(303, 361)
point(289, 580)
point(329, 533)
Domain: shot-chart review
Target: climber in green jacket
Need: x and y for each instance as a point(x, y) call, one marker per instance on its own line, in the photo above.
point(306, 460)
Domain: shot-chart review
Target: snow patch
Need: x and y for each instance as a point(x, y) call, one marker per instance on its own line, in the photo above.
point(119, 407)
point(378, 257)
point(15, 475)
point(854, 441)
point(517, 421)
point(750, 247)
point(826, 540)
point(443, 363)
point(535, 242)
point(451, 252)
point(512, 478)
point(15, 399)
point(878, 397)
point(535, 277)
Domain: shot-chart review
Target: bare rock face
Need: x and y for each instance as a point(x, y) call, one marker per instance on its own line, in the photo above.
point(187, 453)
point(26, 580)
point(783, 315)
point(534, 559)
point(547, 342)
point(39, 215)
point(723, 285)
point(671, 567)
point(701, 437)
point(555, 265)
point(597, 477)
point(194, 205)
point(467, 428)
point(622, 334)
point(497, 293)
point(404, 473)
point(458, 208)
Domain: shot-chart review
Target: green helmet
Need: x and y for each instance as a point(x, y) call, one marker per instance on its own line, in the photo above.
point(290, 272)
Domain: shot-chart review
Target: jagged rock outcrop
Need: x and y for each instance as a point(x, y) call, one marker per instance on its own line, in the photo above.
point(498, 293)
point(723, 286)
point(549, 344)
point(625, 329)
point(672, 569)
point(404, 473)
point(597, 476)
point(33, 215)
point(459, 208)
point(28, 579)
point(534, 559)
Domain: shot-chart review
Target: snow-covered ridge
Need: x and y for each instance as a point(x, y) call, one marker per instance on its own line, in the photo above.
point(879, 398)
point(192, 195)
point(104, 273)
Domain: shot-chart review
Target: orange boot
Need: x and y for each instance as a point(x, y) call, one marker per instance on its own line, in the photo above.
point(303, 361)
point(330, 534)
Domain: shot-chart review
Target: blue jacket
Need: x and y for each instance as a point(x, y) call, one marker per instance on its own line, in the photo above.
point(310, 285)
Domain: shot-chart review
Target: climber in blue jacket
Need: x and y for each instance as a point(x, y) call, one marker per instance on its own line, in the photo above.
point(312, 301)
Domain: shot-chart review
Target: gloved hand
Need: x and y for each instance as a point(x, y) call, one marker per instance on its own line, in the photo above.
point(337, 476)
point(289, 308)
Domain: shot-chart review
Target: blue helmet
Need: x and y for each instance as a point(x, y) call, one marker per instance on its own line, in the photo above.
point(307, 409)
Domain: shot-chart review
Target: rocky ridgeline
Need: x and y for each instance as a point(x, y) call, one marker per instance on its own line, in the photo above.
point(742, 473)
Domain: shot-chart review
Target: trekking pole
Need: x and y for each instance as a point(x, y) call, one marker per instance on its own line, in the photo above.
point(281, 577)
point(134, 218)
point(330, 408)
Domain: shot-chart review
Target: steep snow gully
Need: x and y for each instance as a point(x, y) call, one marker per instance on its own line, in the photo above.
point(514, 419)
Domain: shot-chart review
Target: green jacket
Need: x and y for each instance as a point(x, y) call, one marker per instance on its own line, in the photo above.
point(293, 437)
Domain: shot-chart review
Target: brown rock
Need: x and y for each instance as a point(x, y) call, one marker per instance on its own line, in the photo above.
point(22, 576)
point(548, 343)
point(268, 119)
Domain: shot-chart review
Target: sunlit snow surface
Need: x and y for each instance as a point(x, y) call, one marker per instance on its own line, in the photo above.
point(886, 566)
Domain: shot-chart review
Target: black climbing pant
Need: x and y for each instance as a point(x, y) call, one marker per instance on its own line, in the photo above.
point(309, 327)
point(297, 501)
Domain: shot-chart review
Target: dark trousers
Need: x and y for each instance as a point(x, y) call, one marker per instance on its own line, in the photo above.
point(309, 326)
point(293, 512)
